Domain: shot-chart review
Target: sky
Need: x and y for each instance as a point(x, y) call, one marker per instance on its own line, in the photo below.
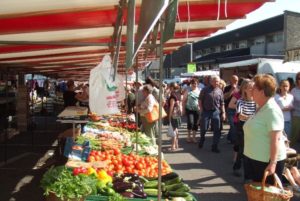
point(268, 10)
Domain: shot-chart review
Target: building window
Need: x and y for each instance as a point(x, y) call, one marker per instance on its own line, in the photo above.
point(235, 45)
point(259, 41)
point(207, 50)
point(212, 49)
point(250, 42)
point(275, 37)
point(223, 48)
point(243, 44)
point(229, 47)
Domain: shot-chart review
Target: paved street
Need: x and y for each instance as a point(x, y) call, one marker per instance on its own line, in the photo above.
point(208, 174)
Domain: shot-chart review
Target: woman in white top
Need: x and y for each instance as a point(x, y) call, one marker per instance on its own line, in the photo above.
point(145, 107)
point(285, 101)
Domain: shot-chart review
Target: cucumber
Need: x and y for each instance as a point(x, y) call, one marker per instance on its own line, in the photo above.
point(173, 181)
point(174, 187)
point(151, 192)
point(151, 184)
point(169, 176)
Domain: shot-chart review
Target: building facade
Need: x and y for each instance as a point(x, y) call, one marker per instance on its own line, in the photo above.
point(266, 39)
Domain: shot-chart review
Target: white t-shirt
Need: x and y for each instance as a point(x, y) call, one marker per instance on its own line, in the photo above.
point(285, 102)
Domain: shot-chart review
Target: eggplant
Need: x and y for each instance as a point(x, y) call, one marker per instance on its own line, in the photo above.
point(139, 184)
point(133, 176)
point(122, 186)
point(139, 193)
point(127, 194)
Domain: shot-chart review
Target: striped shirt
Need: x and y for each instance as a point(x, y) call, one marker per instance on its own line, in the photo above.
point(245, 107)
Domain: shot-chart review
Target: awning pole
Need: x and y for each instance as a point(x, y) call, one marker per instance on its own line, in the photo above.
point(191, 52)
point(160, 107)
point(130, 33)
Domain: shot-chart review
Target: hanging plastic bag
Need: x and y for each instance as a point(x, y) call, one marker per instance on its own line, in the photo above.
point(102, 90)
point(170, 132)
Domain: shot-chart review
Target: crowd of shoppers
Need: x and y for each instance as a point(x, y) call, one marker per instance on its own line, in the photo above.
point(258, 111)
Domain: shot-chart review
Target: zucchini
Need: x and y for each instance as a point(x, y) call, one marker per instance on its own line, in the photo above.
point(154, 184)
point(143, 179)
point(189, 197)
point(173, 181)
point(184, 188)
point(174, 187)
point(151, 192)
point(178, 194)
point(169, 176)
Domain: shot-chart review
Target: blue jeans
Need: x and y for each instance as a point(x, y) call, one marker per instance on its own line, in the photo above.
point(214, 116)
point(230, 116)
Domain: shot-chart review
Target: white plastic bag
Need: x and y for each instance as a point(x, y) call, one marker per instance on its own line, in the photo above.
point(170, 132)
point(102, 91)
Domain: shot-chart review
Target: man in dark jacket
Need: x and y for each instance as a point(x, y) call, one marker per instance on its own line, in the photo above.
point(211, 103)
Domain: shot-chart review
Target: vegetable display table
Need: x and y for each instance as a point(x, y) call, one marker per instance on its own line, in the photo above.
point(73, 115)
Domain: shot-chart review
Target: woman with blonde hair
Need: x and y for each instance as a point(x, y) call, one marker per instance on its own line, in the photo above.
point(145, 107)
point(245, 108)
point(264, 148)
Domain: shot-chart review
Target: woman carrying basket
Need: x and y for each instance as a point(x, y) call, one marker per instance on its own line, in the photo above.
point(264, 145)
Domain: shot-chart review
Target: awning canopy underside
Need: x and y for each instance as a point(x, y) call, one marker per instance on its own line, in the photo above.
point(67, 38)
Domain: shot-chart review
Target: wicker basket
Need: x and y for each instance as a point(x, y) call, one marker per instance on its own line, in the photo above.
point(254, 194)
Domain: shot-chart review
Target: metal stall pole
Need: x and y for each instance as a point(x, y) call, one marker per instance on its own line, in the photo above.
point(6, 117)
point(32, 113)
point(136, 105)
point(160, 106)
point(130, 50)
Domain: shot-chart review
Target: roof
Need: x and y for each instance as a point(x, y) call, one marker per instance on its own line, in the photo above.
point(270, 25)
point(67, 38)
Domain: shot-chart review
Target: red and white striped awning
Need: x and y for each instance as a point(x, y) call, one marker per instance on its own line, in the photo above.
point(47, 23)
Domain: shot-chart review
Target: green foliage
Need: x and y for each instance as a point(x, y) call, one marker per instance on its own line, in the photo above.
point(60, 181)
point(95, 144)
point(116, 197)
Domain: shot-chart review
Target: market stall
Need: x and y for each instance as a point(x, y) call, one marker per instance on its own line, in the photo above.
point(108, 161)
point(78, 34)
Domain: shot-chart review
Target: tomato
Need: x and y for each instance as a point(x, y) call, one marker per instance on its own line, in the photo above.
point(76, 171)
point(91, 159)
point(116, 151)
point(125, 162)
point(97, 158)
point(139, 166)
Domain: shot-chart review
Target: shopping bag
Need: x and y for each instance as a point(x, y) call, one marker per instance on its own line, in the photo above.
point(154, 114)
point(170, 132)
point(103, 95)
point(260, 191)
